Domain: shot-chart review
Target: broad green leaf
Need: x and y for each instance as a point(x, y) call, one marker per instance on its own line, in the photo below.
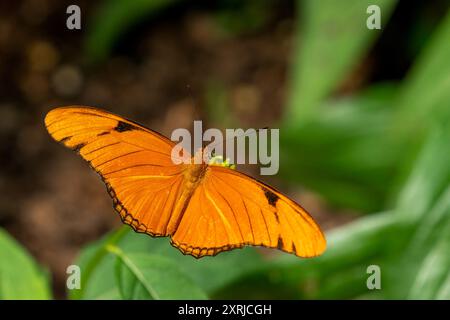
point(97, 265)
point(210, 273)
point(99, 284)
point(20, 276)
point(331, 37)
point(96, 269)
point(113, 19)
point(144, 276)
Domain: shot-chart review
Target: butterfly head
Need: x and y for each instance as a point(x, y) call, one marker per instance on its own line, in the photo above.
point(205, 157)
point(220, 161)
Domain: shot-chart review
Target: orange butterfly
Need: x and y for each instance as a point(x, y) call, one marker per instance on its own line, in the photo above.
point(204, 208)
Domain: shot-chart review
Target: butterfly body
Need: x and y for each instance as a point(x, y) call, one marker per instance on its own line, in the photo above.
point(204, 207)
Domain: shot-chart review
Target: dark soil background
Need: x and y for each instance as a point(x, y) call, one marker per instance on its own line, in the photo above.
point(161, 75)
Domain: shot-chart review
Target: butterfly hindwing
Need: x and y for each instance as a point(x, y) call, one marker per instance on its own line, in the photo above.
point(229, 210)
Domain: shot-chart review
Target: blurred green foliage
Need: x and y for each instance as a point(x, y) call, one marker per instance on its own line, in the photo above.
point(239, 17)
point(113, 19)
point(382, 150)
point(356, 151)
point(30, 283)
point(330, 39)
point(409, 243)
point(347, 154)
point(204, 276)
point(144, 276)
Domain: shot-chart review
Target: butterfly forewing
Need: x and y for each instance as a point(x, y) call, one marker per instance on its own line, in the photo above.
point(133, 161)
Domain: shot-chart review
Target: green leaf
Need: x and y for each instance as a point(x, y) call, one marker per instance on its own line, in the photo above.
point(410, 243)
point(330, 39)
point(430, 176)
point(357, 241)
point(143, 276)
point(432, 225)
point(424, 261)
point(425, 96)
point(347, 153)
point(339, 272)
point(20, 276)
point(114, 19)
point(96, 269)
point(209, 273)
point(444, 290)
point(433, 271)
point(424, 204)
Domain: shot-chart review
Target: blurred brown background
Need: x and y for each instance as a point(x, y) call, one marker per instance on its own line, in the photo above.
point(160, 75)
point(164, 72)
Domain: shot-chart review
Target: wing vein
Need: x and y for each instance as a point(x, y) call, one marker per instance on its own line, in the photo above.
point(118, 157)
point(141, 165)
point(234, 214)
point(171, 208)
point(249, 220)
point(267, 228)
point(102, 147)
point(221, 215)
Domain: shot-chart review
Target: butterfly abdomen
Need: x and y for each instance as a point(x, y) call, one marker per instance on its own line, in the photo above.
point(193, 176)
